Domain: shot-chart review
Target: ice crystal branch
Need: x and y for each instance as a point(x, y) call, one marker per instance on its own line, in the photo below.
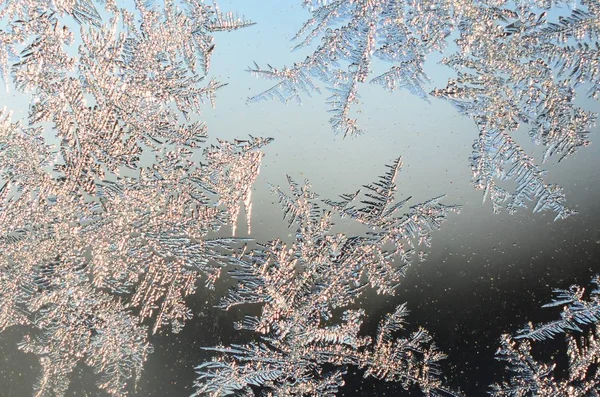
point(530, 377)
point(131, 238)
point(108, 230)
point(75, 322)
point(352, 33)
point(301, 286)
point(577, 311)
point(505, 80)
point(514, 69)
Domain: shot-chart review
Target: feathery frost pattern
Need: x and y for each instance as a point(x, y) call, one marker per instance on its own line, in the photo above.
point(531, 377)
point(105, 234)
point(514, 69)
point(506, 80)
point(110, 199)
point(351, 34)
point(301, 286)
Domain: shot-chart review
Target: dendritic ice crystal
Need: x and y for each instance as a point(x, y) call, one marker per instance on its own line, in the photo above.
point(532, 377)
point(110, 198)
point(309, 334)
point(107, 196)
point(514, 68)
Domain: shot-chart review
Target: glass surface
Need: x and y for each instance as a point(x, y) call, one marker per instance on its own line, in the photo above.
point(178, 212)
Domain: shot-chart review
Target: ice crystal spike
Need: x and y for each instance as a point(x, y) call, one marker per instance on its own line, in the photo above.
point(236, 167)
point(532, 377)
point(577, 311)
point(515, 68)
point(300, 286)
point(497, 157)
point(100, 247)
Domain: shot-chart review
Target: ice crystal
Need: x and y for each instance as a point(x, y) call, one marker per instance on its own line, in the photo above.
point(506, 80)
point(136, 236)
point(109, 229)
point(301, 286)
point(351, 34)
point(47, 282)
point(531, 377)
point(576, 311)
point(514, 68)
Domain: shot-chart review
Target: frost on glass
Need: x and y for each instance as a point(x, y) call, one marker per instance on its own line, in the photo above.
point(308, 332)
point(110, 198)
point(107, 191)
point(514, 68)
point(579, 322)
point(351, 34)
point(506, 79)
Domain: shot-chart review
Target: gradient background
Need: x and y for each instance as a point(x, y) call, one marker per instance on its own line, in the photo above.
point(485, 275)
